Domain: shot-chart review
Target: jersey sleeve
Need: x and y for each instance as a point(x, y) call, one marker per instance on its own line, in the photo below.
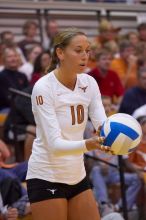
point(45, 116)
point(96, 109)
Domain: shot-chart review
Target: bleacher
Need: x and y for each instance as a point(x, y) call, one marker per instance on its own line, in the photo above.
point(85, 16)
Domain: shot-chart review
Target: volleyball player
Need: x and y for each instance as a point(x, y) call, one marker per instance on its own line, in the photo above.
point(61, 102)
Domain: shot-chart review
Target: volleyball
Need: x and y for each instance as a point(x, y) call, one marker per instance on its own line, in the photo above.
point(122, 133)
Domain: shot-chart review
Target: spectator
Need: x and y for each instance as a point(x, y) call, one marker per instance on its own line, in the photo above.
point(11, 214)
point(13, 204)
point(112, 47)
point(142, 31)
point(22, 119)
point(30, 31)
point(133, 38)
point(12, 192)
point(126, 65)
point(13, 170)
point(107, 33)
point(112, 216)
point(108, 105)
point(138, 157)
point(141, 53)
point(51, 29)
point(92, 62)
point(28, 67)
point(2, 47)
point(139, 112)
point(135, 96)
point(108, 81)
point(4, 152)
point(7, 214)
point(8, 38)
point(102, 175)
point(41, 65)
point(10, 76)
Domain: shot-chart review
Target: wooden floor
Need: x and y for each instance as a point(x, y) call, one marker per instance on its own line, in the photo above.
point(28, 217)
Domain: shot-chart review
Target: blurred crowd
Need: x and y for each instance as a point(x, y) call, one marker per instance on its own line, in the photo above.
point(118, 64)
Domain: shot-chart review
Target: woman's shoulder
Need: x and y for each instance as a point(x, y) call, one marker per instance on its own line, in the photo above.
point(45, 79)
point(44, 82)
point(86, 77)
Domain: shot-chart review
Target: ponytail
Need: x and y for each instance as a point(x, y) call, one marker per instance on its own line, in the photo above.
point(54, 61)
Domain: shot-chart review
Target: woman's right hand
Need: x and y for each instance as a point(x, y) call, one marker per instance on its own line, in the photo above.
point(96, 142)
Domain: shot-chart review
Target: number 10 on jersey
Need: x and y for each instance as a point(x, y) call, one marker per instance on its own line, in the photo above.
point(77, 114)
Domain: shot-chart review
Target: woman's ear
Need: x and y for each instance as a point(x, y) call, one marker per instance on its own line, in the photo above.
point(60, 54)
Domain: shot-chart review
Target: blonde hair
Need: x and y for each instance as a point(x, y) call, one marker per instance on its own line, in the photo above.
point(62, 40)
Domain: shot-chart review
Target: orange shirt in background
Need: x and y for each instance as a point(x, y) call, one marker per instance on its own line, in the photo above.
point(92, 64)
point(138, 157)
point(120, 67)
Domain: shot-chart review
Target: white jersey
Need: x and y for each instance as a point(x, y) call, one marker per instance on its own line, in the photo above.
point(61, 116)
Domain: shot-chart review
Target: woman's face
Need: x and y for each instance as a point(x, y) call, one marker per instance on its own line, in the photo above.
point(32, 30)
point(75, 55)
point(34, 53)
point(45, 61)
point(133, 38)
point(127, 52)
point(11, 59)
point(104, 62)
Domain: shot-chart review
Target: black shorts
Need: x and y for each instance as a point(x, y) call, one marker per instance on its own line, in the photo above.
point(39, 190)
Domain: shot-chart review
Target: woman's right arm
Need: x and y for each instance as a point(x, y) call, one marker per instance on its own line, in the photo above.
point(45, 116)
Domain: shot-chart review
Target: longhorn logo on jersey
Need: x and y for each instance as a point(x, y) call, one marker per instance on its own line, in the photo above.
point(83, 88)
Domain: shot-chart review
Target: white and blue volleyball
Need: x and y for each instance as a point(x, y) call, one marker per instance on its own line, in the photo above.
point(122, 133)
